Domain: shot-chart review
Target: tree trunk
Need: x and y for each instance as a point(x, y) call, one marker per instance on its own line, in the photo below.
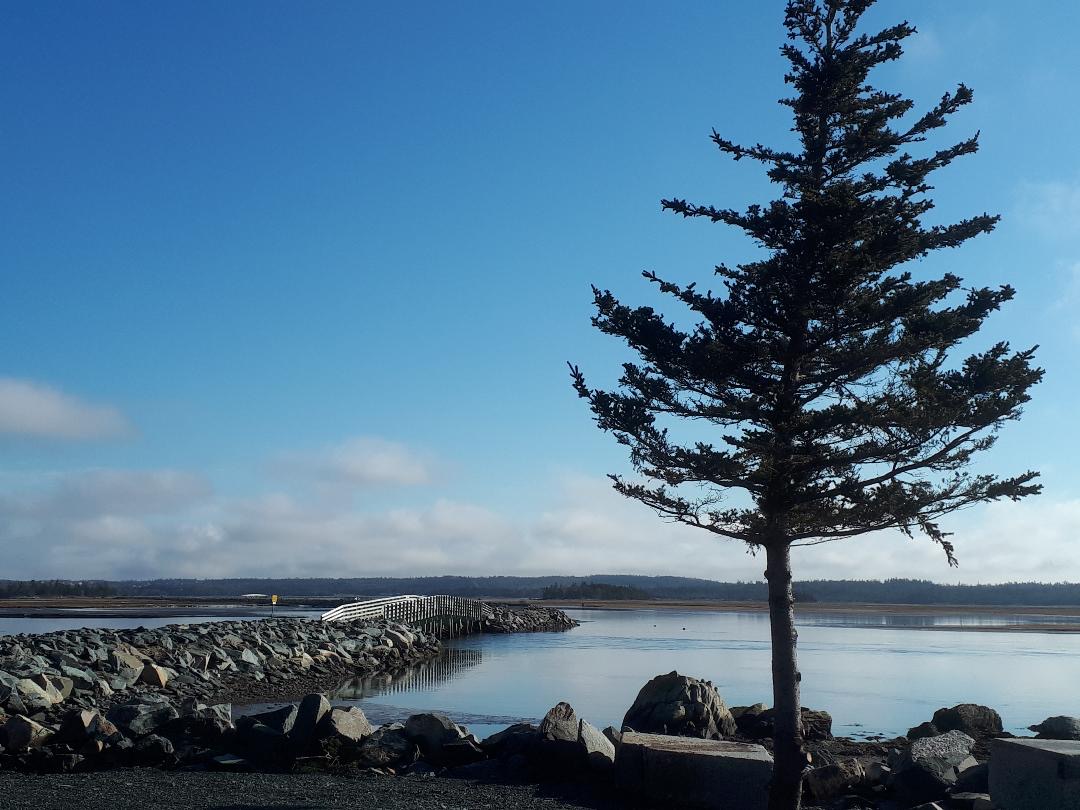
point(785, 792)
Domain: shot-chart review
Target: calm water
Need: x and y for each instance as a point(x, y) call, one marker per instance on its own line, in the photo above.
point(874, 674)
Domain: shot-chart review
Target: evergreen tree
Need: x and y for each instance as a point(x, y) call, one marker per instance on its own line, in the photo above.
point(823, 370)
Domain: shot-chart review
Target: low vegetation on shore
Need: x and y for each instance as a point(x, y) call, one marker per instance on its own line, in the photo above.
point(620, 586)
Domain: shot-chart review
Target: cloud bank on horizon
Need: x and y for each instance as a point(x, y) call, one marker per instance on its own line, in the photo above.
point(140, 524)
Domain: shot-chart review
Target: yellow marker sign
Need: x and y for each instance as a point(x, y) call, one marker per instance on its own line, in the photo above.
point(273, 599)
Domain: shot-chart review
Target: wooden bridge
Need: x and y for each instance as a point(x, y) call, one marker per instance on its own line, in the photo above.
point(451, 615)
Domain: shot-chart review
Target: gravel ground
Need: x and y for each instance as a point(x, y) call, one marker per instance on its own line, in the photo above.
point(140, 789)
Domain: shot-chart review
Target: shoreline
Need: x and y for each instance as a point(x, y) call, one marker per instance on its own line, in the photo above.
point(873, 608)
point(237, 608)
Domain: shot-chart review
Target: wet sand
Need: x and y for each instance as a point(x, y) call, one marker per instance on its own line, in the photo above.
point(989, 611)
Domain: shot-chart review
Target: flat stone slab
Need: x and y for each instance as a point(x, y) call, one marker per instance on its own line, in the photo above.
point(1035, 774)
point(693, 773)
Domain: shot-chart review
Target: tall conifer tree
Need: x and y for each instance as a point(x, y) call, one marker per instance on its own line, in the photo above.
point(821, 376)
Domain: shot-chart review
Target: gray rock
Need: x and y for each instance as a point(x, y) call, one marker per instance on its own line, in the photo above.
point(975, 779)
point(388, 747)
point(930, 765)
point(680, 705)
point(260, 742)
point(598, 750)
point(218, 712)
point(78, 727)
point(1060, 727)
point(970, 801)
point(348, 726)
point(430, 732)
point(837, 779)
point(280, 720)
point(668, 771)
point(1035, 774)
point(926, 729)
point(22, 733)
point(459, 753)
point(37, 698)
point(312, 709)
point(138, 718)
point(153, 675)
point(515, 739)
point(614, 736)
point(817, 725)
point(560, 724)
point(974, 720)
point(153, 749)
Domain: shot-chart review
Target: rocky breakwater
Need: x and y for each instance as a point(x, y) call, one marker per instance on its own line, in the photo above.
point(93, 698)
point(526, 619)
point(79, 692)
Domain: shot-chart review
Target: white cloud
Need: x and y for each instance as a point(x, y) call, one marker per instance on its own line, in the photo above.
point(364, 461)
point(162, 523)
point(91, 493)
point(1051, 208)
point(32, 409)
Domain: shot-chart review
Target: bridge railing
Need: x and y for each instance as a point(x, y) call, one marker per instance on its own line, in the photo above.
point(411, 609)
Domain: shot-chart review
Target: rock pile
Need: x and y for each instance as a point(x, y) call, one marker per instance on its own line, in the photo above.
point(527, 619)
point(93, 668)
point(160, 696)
point(152, 730)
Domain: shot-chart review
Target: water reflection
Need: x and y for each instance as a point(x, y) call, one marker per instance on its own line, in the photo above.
point(426, 677)
point(957, 620)
point(871, 680)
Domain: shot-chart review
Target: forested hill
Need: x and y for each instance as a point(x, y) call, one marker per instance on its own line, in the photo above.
point(894, 591)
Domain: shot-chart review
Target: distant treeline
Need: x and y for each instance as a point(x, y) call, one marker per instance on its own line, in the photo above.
point(14, 589)
point(594, 590)
point(889, 591)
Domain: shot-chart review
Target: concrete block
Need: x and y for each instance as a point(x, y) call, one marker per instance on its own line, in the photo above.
point(693, 773)
point(1035, 774)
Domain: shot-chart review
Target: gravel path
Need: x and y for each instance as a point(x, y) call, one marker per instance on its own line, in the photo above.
point(140, 789)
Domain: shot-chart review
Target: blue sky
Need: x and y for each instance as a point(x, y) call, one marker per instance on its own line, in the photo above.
point(290, 288)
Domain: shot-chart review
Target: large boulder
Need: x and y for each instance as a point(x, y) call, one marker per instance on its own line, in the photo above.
point(837, 779)
point(1060, 727)
point(345, 725)
point(974, 720)
point(35, 697)
point(153, 675)
point(388, 747)
point(312, 709)
point(1030, 774)
point(558, 736)
point(280, 720)
point(79, 727)
point(926, 729)
point(431, 731)
point(153, 749)
point(141, 717)
point(817, 725)
point(518, 739)
point(931, 765)
point(598, 750)
point(680, 705)
point(666, 771)
point(21, 733)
